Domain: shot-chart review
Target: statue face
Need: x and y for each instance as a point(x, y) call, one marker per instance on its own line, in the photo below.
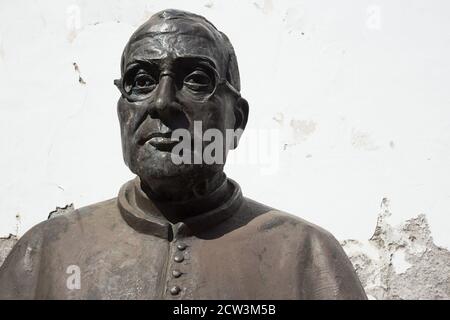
point(173, 75)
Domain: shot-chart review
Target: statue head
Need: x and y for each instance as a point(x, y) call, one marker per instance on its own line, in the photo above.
point(177, 72)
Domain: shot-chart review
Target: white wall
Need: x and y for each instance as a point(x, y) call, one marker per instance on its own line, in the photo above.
point(358, 92)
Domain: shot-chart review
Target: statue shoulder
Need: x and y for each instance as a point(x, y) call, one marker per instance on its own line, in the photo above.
point(55, 226)
point(267, 218)
point(327, 271)
point(309, 236)
point(60, 222)
point(19, 273)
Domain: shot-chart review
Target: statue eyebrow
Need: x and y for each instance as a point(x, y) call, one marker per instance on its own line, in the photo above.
point(203, 59)
point(157, 62)
point(134, 62)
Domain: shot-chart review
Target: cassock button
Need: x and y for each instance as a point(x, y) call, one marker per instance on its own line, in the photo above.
point(178, 258)
point(176, 273)
point(175, 290)
point(181, 246)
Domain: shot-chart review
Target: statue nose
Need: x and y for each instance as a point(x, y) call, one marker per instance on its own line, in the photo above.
point(165, 94)
point(165, 107)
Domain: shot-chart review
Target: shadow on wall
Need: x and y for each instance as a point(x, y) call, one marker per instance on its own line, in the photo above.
point(399, 262)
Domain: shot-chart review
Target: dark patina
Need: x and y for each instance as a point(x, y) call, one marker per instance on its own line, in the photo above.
point(178, 231)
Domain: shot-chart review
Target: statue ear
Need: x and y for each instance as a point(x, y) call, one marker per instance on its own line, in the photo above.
point(241, 117)
point(241, 114)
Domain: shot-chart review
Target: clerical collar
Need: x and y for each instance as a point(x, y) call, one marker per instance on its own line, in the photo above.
point(142, 214)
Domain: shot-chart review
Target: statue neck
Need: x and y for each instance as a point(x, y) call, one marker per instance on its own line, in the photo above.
point(180, 197)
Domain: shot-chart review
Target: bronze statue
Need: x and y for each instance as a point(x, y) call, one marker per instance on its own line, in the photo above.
point(178, 231)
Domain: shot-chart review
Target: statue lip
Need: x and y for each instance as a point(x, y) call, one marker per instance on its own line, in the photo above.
point(148, 136)
point(162, 141)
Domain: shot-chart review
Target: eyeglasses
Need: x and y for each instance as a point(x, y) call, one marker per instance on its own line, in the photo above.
point(194, 79)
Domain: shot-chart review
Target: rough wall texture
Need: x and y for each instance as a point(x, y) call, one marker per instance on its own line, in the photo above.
point(60, 211)
point(401, 262)
point(6, 245)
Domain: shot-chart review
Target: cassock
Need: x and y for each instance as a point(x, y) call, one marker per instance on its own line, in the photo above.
point(125, 248)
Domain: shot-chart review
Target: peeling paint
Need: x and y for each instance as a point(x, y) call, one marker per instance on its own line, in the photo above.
point(61, 211)
point(209, 4)
point(401, 262)
point(18, 223)
point(266, 6)
point(295, 20)
point(279, 118)
point(363, 141)
point(6, 244)
point(302, 129)
point(77, 70)
point(73, 21)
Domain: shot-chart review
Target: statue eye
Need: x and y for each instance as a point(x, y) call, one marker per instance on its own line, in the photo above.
point(198, 81)
point(143, 82)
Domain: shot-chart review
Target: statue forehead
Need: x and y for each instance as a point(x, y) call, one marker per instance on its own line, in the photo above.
point(156, 39)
